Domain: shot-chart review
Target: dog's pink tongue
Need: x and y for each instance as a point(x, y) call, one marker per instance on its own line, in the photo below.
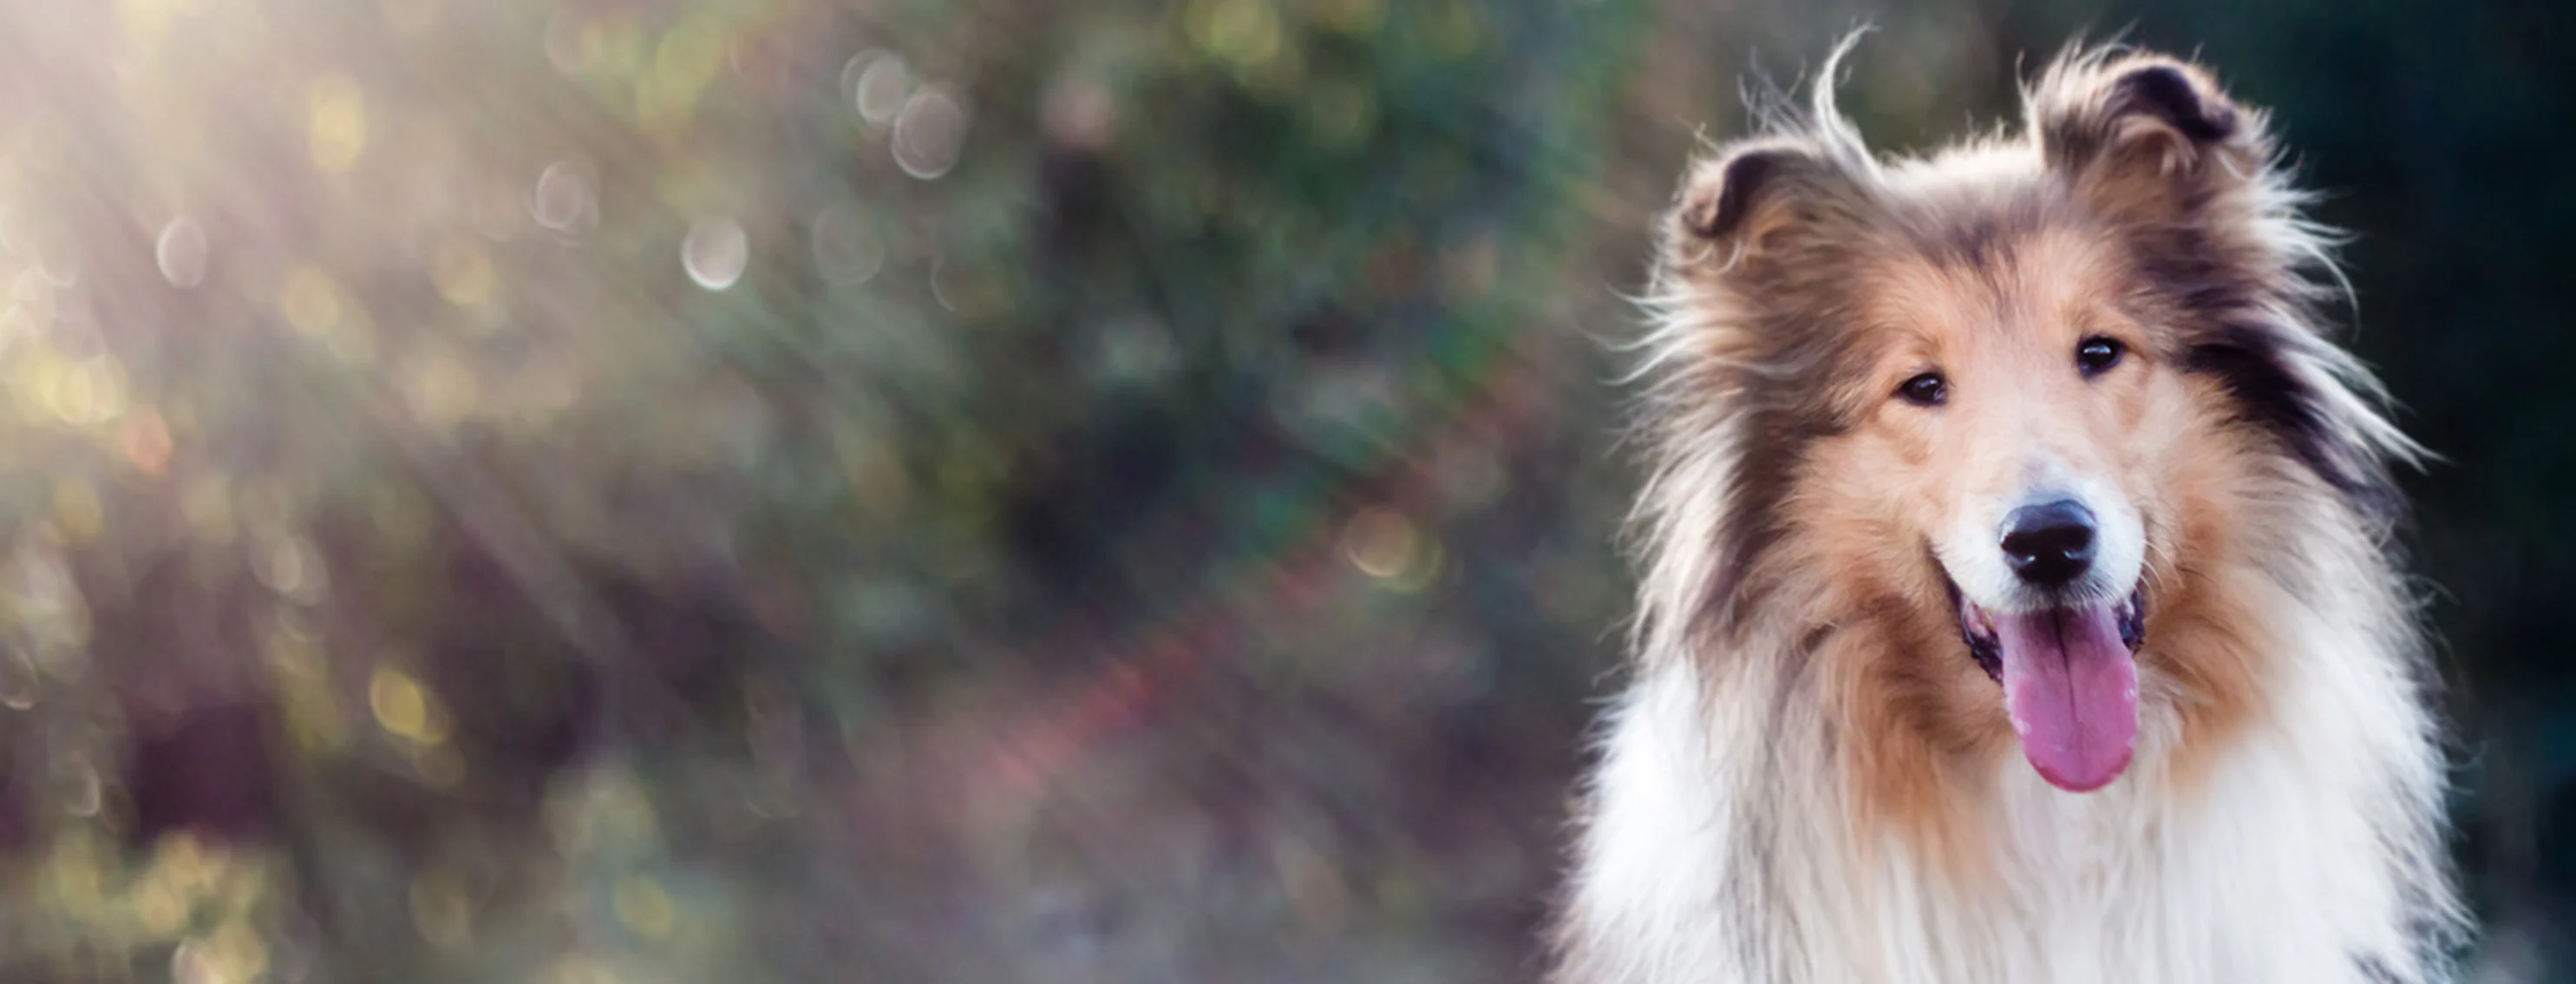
point(2072, 691)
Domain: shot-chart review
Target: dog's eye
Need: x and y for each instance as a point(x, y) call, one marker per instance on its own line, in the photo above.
point(1925, 390)
point(2097, 355)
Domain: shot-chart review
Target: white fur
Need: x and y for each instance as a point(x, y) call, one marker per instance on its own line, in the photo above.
point(1968, 553)
point(1719, 846)
point(2296, 859)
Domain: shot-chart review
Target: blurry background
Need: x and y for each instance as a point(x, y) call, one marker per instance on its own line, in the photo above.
point(998, 490)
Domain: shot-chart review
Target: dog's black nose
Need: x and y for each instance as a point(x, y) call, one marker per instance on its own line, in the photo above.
point(2050, 544)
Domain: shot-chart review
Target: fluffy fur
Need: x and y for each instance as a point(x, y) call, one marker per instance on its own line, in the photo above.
point(1809, 778)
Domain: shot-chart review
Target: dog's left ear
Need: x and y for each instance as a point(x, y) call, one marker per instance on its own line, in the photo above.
point(2143, 135)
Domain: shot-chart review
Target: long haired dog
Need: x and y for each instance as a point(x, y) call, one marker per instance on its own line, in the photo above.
point(2018, 601)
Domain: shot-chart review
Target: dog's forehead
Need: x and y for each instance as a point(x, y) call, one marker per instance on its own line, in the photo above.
point(1976, 219)
point(1994, 275)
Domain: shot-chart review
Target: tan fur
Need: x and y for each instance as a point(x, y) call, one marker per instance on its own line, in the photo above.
point(2003, 333)
point(1795, 516)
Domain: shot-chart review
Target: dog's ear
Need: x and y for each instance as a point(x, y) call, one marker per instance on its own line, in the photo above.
point(2145, 133)
point(1752, 198)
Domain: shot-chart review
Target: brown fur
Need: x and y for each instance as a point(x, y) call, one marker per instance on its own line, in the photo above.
point(1831, 279)
point(1811, 777)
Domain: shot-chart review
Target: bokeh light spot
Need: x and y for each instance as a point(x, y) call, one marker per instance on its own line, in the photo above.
point(1080, 113)
point(46, 604)
point(440, 390)
point(84, 391)
point(1318, 893)
point(1389, 547)
point(688, 58)
point(311, 301)
point(716, 252)
point(335, 124)
point(194, 963)
point(564, 201)
point(145, 440)
point(78, 514)
point(181, 860)
point(1131, 352)
point(181, 252)
point(571, 39)
point(930, 134)
point(290, 566)
point(442, 910)
point(1342, 112)
point(316, 307)
point(613, 45)
point(845, 250)
point(232, 954)
point(313, 715)
point(160, 907)
point(643, 906)
point(1380, 542)
point(1243, 32)
point(607, 807)
point(877, 479)
point(463, 273)
point(404, 708)
point(882, 82)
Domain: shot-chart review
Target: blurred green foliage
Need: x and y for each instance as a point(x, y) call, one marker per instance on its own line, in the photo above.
point(622, 490)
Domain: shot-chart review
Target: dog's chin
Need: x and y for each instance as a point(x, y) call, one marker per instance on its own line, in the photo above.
point(2070, 680)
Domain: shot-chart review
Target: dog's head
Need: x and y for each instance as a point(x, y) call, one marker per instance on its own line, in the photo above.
point(2005, 415)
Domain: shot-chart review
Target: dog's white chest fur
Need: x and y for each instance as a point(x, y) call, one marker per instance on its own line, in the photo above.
point(1719, 852)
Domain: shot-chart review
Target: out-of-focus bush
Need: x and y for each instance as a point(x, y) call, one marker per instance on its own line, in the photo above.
point(995, 490)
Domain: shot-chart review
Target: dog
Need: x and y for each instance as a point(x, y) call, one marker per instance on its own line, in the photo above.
point(2018, 599)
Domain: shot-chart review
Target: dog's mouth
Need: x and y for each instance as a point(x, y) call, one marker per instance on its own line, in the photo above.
point(2070, 679)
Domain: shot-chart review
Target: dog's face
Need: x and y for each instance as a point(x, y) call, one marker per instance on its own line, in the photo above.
point(2023, 404)
point(2001, 413)
point(2027, 428)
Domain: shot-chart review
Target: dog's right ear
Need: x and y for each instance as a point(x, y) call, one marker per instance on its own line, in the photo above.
point(1750, 199)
